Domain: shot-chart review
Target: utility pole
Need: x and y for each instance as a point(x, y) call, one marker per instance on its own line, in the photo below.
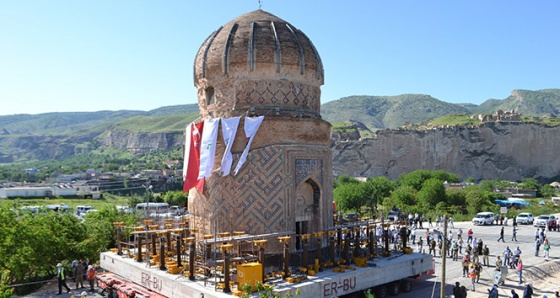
point(444, 258)
point(148, 187)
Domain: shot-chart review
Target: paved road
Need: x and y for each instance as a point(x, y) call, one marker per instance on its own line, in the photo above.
point(489, 234)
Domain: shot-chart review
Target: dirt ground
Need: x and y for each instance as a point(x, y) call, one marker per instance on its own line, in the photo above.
point(50, 289)
point(543, 279)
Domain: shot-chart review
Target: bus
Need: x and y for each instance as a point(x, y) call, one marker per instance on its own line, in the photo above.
point(152, 209)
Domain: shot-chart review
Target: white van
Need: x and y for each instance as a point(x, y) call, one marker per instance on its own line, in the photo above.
point(483, 218)
point(81, 210)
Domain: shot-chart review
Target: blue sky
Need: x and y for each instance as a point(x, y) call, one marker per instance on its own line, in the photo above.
point(67, 55)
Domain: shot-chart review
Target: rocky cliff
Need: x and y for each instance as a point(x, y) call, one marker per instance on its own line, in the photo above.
point(142, 142)
point(509, 151)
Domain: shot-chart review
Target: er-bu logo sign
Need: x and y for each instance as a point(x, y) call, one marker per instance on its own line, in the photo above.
point(339, 287)
point(151, 282)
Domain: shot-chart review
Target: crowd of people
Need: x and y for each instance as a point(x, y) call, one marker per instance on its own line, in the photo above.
point(469, 250)
point(81, 270)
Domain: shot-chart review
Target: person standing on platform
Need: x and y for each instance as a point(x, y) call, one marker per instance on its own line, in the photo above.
point(61, 277)
point(79, 274)
point(91, 277)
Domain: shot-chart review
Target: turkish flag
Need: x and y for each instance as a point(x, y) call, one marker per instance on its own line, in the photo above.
point(191, 165)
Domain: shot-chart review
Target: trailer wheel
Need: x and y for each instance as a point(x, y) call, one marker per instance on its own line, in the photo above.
point(394, 288)
point(381, 291)
point(406, 286)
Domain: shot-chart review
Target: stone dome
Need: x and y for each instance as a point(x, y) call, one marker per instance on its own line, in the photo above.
point(258, 63)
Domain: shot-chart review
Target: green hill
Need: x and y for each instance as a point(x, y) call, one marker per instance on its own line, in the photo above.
point(525, 102)
point(377, 112)
point(59, 135)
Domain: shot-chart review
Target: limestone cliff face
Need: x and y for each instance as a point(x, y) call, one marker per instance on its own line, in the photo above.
point(509, 151)
point(142, 142)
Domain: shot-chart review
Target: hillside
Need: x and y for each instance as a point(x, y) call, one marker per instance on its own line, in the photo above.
point(70, 122)
point(61, 135)
point(525, 102)
point(377, 112)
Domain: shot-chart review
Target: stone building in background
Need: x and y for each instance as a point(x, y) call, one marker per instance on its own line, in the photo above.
point(258, 64)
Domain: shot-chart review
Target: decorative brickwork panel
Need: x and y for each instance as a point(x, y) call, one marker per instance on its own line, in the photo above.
point(261, 198)
point(277, 93)
point(306, 168)
point(254, 199)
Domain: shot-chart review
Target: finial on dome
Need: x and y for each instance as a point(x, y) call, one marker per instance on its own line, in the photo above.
point(260, 5)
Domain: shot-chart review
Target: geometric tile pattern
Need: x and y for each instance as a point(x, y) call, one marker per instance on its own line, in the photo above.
point(261, 198)
point(277, 93)
point(309, 167)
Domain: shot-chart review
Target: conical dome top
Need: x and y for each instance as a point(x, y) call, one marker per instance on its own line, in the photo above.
point(254, 50)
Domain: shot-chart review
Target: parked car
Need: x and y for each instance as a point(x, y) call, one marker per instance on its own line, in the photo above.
point(351, 217)
point(394, 214)
point(81, 210)
point(483, 218)
point(525, 218)
point(543, 220)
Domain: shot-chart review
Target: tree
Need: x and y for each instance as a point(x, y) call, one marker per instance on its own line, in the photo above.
point(456, 199)
point(445, 176)
point(176, 197)
point(476, 199)
point(487, 185)
point(417, 178)
point(414, 179)
point(431, 193)
point(546, 191)
point(5, 290)
point(470, 180)
point(350, 196)
point(343, 179)
point(403, 197)
point(32, 243)
point(529, 183)
point(379, 188)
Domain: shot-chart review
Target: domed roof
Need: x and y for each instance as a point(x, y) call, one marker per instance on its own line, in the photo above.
point(260, 45)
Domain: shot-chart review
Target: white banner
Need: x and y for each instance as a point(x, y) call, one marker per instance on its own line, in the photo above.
point(252, 124)
point(208, 148)
point(188, 137)
point(229, 129)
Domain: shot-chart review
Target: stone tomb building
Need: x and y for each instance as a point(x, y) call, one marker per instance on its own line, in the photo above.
point(258, 64)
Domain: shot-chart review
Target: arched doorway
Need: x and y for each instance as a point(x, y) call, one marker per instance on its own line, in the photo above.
point(307, 209)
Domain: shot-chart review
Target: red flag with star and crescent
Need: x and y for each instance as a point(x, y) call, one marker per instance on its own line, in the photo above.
point(191, 165)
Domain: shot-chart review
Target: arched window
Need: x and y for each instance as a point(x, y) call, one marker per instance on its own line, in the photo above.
point(210, 97)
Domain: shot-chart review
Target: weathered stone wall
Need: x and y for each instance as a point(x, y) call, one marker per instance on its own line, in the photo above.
point(142, 142)
point(509, 151)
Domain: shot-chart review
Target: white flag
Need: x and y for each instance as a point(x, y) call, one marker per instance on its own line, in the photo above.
point(188, 137)
point(208, 147)
point(252, 124)
point(229, 129)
